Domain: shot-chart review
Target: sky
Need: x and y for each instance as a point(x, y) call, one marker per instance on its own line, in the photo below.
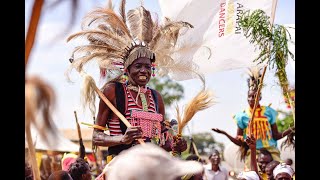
point(50, 54)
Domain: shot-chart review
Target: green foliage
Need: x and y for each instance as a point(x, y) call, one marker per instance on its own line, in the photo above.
point(271, 40)
point(205, 143)
point(258, 28)
point(170, 90)
point(286, 122)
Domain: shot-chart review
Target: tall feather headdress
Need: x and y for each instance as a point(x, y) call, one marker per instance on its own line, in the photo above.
point(116, 40)
point(254, 78)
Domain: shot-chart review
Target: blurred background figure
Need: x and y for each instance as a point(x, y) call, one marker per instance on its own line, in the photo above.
point(283, 172)
point(269, 169)
point(149, 161)
point(289, 161)
point(60, 175)
point(80, 170)
point(214, 170)
point(198, 176)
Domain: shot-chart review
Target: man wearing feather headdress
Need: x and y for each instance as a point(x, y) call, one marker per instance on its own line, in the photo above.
point(263, 127)
point(130, 46)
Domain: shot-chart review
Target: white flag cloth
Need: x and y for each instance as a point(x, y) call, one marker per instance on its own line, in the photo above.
point(216, 26)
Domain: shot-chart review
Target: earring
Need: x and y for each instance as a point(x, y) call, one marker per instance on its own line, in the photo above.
point(153, 69)
point(124, 77)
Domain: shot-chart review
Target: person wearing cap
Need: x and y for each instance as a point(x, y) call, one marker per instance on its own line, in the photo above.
point(283, 172)
point(149, 161)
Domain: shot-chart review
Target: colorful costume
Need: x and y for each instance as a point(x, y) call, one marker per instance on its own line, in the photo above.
point(150, 121)
point(264, 117)
point(115, 41)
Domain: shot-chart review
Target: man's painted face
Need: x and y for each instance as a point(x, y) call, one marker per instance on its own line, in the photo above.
point(139, 72)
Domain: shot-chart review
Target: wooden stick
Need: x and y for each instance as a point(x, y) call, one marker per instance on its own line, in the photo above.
point(110, 105)
point(195, 148)
point(82, 150)
point(274, 5)
point(32, 152)
point(78, 126)
point(95, 126)
point(32, 29)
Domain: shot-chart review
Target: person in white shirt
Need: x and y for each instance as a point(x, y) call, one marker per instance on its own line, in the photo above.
point(214, 170)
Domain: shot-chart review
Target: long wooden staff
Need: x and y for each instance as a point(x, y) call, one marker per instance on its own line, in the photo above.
point(32, 29)
point(94, 152)
point(82, 150)
point(32, 152)
point(274, 5)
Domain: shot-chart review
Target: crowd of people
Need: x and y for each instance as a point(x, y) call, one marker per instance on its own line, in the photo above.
point(139, 140)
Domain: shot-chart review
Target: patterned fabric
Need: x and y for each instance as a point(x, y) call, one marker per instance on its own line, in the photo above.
point(131, 105)
point(149, 123)
point(264, 117)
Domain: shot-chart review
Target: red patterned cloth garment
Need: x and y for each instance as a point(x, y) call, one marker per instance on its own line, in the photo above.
point(149, 121)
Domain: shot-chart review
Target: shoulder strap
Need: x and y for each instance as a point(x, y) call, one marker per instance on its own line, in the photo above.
point(120, 101)
point(120, 98)
point(155, 97)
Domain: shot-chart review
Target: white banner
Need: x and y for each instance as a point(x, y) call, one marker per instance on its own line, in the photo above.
point(216, 24)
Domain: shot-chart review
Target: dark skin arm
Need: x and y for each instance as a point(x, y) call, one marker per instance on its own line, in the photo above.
point(251, 142)
point(181, 144)
point(234, 140)
point(278, 135)
point(99, 137)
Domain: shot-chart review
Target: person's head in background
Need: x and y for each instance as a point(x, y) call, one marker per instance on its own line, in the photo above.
point(264, 158)
point(269, 169)
point(28, 171)
point(289, 161)
point(67, 159)
point(214, 157)
point(149, 162)
point(60, 175)
point(283, 172)
point(80, 170)
point(198, 176)
point(193, 157)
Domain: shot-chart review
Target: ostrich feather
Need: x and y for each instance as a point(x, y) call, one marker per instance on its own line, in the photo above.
point(80, 62)
point(93, 48)
point(88, 95)
point(104, 36)
point(141, 24)
point(254, 77)
point(122, 11)
point(169, 31)
point(108, 16)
